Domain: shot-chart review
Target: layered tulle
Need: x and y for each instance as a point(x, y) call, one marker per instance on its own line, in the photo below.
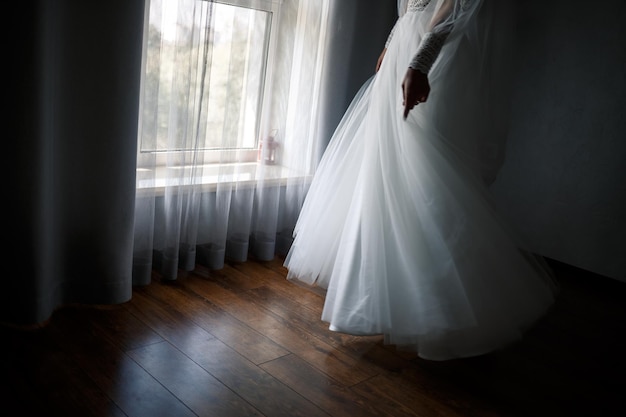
point(399, 229)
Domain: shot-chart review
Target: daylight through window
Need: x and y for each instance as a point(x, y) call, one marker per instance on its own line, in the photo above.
point(204, 77)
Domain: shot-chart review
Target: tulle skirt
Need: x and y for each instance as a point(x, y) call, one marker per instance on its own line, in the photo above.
point(399, 229)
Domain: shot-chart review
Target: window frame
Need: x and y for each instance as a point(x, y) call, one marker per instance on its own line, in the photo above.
point(158, 158)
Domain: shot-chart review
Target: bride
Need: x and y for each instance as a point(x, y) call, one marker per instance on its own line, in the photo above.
point(398, 226)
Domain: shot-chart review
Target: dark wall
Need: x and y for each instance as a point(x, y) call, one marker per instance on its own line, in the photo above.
point(564, 180)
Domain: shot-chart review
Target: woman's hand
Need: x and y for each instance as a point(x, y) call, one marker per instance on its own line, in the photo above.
point(380, 59)
point(415, 89)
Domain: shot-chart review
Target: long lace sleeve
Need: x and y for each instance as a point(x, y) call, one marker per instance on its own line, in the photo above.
point(429, 50)
point(446, 15)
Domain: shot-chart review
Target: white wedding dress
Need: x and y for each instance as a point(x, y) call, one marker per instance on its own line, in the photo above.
point(398, 225)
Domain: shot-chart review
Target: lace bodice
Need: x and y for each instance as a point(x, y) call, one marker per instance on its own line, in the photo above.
point(417, 5)
point(420, 5)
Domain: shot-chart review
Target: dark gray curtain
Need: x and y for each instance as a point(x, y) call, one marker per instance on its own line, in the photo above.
point(70, 167)
point(357, 33)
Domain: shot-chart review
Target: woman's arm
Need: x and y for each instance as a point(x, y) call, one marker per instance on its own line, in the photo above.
point(415, 85)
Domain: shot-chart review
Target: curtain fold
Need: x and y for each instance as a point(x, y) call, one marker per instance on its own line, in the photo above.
point(71, 161)
point(228, 130)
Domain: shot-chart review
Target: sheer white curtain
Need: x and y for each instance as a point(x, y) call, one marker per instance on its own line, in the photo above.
point(228, 129)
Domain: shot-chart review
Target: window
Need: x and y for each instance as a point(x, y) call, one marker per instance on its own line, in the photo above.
point(227, 83)
point(205, 79)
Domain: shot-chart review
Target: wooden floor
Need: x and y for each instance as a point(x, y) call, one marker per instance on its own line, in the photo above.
point(244, 341)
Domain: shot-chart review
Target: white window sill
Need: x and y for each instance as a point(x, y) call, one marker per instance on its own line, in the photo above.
point(207, 177)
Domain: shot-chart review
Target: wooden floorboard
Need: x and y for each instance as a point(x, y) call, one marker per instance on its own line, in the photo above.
point(245, 341)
